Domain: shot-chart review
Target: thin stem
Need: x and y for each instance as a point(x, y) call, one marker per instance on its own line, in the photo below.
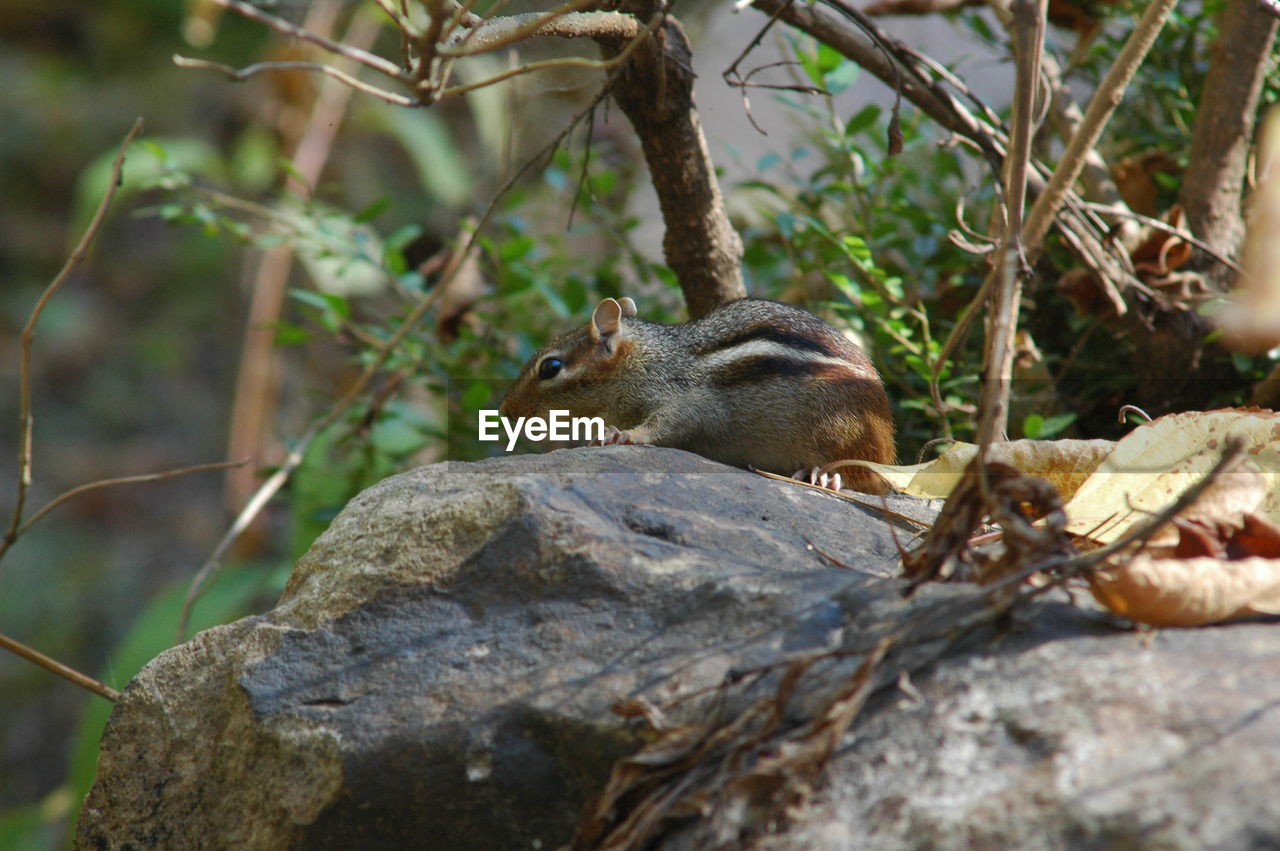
point(1104, 102)
point(277, 480)
point(29, 334)
point(283, 27)
point(515, 28)
point(1180, 233)
point(398, 18)
point(241, 74)
point(54, 666)
point(1028, 34)
point(569, 62)
point(124, 480)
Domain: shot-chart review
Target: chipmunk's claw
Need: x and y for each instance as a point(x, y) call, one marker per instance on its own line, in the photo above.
point(616, 437)
point(815, 476)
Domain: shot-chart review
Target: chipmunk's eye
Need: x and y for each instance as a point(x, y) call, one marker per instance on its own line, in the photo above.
point(549, 368)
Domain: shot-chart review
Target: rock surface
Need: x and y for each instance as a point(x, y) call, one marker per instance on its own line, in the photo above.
point(440, 670)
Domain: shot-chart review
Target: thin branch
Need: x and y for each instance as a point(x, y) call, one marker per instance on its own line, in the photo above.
point(1028, 35)
point(285, 28)
point(567, 20)
point(464, 17)
point(241, 74)
point(56, 667)
point(398, 18)
point(406, 41)
point(1104, 102)
point(29, 334)
point(567, 62)
point(732, 77)
point(1180, 233)
point(278, 479)
point(125, 480)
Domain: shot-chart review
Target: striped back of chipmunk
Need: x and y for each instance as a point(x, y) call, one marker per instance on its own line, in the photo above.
point(759, 348)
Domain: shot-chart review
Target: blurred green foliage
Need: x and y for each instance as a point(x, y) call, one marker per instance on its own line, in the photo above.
point(147, 344)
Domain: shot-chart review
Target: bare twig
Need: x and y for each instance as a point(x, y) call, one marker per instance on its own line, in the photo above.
point(567, 20)
point(732, 77)
point(278, 479)
point(565, 62)
point(124, 480)
point(1028, 19)
point(1180, 233)
point(1101, 106)
point(355, 54)
point(256, 378)
point(56, 667)
point(241, 74)
point(29, 334)
point(399, 17)
point(462, 15)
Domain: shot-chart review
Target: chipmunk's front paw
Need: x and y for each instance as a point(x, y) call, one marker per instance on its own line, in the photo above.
point(617, 437)
point(815, 476)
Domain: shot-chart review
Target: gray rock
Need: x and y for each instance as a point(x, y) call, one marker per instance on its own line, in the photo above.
point(440, 670)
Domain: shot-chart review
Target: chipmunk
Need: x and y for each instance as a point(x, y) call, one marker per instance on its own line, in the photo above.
point(754, 383)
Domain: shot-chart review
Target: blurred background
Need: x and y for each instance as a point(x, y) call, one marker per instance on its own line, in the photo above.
point(267, 236)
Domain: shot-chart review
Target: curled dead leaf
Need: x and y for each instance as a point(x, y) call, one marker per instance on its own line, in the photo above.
point(1189, 592)
point(1162, 252)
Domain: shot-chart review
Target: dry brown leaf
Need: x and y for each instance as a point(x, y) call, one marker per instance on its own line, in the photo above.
point(1136, 177)
point(1067, 464)
point(1162, 252)
point(1090, 295)
point(1159, 460)
point(1256, 537)
point(1189, 592)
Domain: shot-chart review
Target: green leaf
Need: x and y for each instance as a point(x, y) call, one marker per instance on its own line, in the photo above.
point(476, 395)
point(374, 210)
point(326, 302)
point(767, 162)
point(862, 120)
point(1056, 424)
point(397, 436)
point(828, 59)
point(515, 248)
point(288, 334)
point(146, 163)
point(841, 76)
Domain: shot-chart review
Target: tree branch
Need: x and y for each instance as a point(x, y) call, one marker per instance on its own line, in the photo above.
point(1101, 107)
point(916, 86)
point(241, 74)
point(29, 334)
point(655, 90)
point(1028, 37)
point(54, 666)
point(280, 25)
point(1213, 184)
point(124, 480)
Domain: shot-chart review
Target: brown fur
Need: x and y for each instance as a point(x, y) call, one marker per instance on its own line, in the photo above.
point(753, 383)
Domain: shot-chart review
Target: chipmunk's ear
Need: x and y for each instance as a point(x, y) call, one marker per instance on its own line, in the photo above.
point(606, 321)
point(628, 306)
